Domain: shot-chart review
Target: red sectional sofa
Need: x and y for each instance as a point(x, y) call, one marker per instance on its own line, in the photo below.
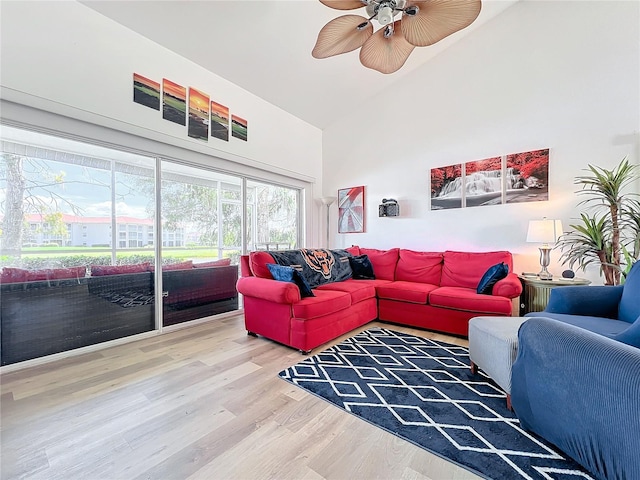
point(432, 290)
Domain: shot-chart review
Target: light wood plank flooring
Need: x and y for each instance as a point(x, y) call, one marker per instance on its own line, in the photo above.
point(203, 402)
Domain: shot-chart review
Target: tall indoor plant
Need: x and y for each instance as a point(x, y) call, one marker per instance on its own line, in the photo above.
point(608, 234)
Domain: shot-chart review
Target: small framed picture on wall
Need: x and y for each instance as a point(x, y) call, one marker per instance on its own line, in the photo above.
point(351, 210)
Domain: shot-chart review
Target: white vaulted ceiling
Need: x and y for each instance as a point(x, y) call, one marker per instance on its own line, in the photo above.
point(264, 46)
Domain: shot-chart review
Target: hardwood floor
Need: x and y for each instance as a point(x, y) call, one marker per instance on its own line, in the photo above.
point(203, 402)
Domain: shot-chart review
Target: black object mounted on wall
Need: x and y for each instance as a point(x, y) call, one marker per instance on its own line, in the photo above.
point(388, 208)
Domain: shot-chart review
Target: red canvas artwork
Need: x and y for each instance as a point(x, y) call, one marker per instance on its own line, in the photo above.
point(351, 210)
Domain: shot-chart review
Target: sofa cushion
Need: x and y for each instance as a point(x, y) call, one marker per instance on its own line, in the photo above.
point(460, 298)
point(491, 277)
point(603, 326)
point(362, 267)
point(464, 269)
point(38, 275)
point(629, 308)
point(223, 262)
point(13, 275)
point(325, 302)
point(290, 274)
point(630, 335)
point(358, 290)
point(186, 265)
point(71, 272)
point(383, 261)
point(412, 292)
point(423, 267)
point(258, 263)
point(353, 250)
point(100, 270)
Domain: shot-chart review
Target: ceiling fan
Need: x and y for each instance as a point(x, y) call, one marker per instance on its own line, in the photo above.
point(420, 23)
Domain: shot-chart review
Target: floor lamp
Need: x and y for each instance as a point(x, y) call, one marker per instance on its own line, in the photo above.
point(327, 201)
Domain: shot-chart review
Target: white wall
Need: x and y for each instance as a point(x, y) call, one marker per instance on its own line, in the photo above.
point(562, 75)
point(65, 58)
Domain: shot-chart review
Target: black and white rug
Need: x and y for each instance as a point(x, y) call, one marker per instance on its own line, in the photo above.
point(423, 391)
point(128, 298)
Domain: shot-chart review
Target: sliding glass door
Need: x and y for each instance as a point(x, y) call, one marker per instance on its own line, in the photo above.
point(201, 241)
point(84, 228)
point(75, 267)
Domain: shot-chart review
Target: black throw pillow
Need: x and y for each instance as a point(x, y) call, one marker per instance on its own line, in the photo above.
point(362, 268)
point(491, 276)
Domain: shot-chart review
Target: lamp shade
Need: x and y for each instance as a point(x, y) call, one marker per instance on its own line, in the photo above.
point(544, 231)
point(328, 200)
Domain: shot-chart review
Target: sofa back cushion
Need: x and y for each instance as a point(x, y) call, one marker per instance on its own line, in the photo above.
point(258, 263)
point(16, 275)
point(223, 262)
point(353, 250)
point(421, 267)
point(465, 269)
point(629, 307)
point(384, 262)
point(101, 270)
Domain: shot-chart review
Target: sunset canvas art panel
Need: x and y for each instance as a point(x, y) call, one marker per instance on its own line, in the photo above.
point(198, 115)
point(146, 91)
point(483, 182)
point(351, 210)
point(219, 121)
point(174, 102)
point(239, 127)
point(527, 176)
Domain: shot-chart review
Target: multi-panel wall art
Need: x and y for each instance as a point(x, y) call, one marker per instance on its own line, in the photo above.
point(518, 177)
point(351, 210)
point(146, 92)
point(204, 114)
point(174, 102)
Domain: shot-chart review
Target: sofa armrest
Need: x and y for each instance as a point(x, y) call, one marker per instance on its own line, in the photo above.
point(579, 390)
point(595, 301)
point(509, 287)
point(267, 289)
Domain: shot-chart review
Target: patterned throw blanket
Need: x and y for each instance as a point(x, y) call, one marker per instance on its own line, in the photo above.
point(317, 266)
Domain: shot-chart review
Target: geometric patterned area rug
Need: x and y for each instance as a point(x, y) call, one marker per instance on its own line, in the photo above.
point(423, 391)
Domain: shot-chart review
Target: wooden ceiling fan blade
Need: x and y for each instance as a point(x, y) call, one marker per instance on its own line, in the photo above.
point(437, 19)
point(341, 35)
point(343, 4)
point(386, 55)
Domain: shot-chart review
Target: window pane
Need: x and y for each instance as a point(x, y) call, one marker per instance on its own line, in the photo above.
point(275, 221)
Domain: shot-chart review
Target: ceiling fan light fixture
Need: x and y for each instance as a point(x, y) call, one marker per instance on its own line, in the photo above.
point(385, 15)
point(422, 23)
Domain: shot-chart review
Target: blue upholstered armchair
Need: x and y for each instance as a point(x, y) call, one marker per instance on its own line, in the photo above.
point(610, 311)
point(580, 391)
point(576, 378)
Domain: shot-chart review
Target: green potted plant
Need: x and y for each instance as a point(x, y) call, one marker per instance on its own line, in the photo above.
point(608, 234)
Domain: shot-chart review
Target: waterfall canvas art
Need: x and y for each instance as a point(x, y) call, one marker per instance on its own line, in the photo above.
point(513, 178)
point(446, 187)
point(351, 210)
point(483, 182)
point(527, 176)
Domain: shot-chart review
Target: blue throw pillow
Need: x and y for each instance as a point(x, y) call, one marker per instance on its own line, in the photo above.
point(362, 267)
point(491, 276)
point(290, 274)
point(631, 335)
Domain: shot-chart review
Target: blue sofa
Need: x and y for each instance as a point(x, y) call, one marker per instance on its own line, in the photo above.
point(576, 378)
